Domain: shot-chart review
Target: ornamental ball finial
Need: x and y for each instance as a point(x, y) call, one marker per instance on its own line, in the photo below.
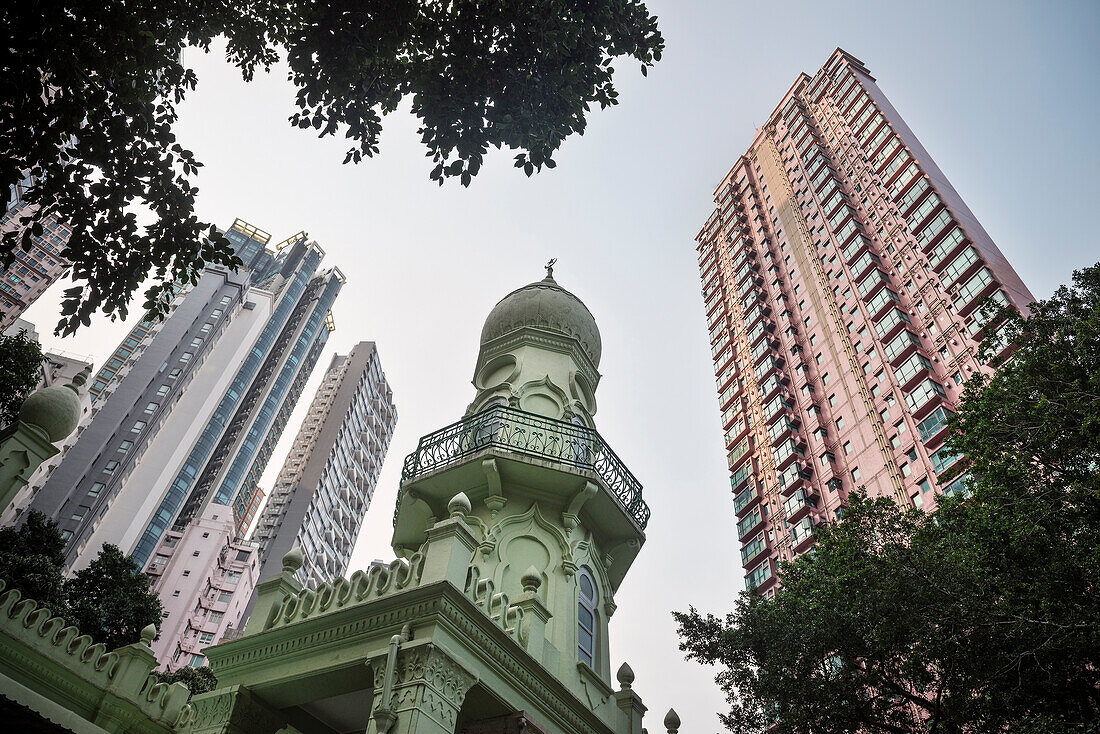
point(293, 560)
point(55, 410)
point(672, 721)
point(149, 634)
point(531, 580)
point(459, 506)
point(625, 677)
point(79, 379)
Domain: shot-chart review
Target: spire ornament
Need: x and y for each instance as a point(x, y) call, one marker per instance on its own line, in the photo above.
point(550, 268)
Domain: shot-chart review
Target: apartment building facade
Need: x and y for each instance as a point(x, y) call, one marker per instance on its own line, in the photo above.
point(842, 275)
point(33, 270)
point(204, 574)
point(327, 481)
point(142, 401)
point(224, 463)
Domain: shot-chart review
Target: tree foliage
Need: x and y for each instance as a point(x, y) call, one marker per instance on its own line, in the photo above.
point(89, 95)
point(111, 601)
point(981, 616)
point(31, 558)
point(20, 364)
point(197, 680)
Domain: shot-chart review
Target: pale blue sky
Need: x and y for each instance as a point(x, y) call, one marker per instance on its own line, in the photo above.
point(1002, 94)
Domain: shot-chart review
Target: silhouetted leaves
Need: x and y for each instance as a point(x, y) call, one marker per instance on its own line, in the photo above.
point(20, 367)
point(89, 93)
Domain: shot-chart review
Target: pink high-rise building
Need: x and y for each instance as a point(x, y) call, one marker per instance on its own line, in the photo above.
point(841, 274)
point(204, 574)
point(34, 270)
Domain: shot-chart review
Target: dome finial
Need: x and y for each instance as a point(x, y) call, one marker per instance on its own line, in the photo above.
point(550, 268)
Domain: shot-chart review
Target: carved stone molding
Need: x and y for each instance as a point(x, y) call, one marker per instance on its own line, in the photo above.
point(234, 710)
point(427, 683)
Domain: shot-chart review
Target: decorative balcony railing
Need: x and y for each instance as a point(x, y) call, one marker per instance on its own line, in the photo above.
point(520, 432)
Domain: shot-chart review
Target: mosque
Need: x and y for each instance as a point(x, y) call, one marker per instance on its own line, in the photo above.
point(513, 530)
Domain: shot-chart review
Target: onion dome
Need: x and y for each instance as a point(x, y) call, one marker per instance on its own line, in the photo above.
point(547, 306)
point(55, 409)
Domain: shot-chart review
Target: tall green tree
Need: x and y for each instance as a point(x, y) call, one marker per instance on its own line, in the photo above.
point(31, 558)
point(981, 616)
point(89, 94)
point(111, 600)
point(20, 366)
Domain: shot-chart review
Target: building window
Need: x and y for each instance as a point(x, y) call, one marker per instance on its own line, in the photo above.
point(206, 638)
point(186, 357)
point(125, 446)
point(855, 474)
point(109, 467)
point(137, 427)
point(196, 661)
point(586, 618)
point(96, 489)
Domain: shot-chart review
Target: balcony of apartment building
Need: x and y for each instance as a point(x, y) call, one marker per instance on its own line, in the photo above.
point(746, 498)
point(802, 534)
point(933, 428)
point(799, 504)
point(795, 478)
point(925, 397)
point(753, 549)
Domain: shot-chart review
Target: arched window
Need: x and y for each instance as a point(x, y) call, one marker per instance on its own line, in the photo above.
point(586, 618)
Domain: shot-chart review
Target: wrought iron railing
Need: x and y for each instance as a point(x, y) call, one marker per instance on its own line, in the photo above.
point(520, 432)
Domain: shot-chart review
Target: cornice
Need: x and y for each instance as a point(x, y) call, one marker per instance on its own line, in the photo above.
point(440, 603)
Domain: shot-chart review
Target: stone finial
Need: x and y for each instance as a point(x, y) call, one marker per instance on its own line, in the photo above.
point(531, 580)
point(293, 560)
point(149, 634)
point(459, 506)
point(79, 379)
point(55, 410)
point(672, 721)
point(625, 677)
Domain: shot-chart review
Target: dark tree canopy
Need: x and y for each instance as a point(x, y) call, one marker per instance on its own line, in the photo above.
point(31, 558)
point(981, 616)
point(20, 366)
point(197, 680)
point(89, 91)
point(111, 600)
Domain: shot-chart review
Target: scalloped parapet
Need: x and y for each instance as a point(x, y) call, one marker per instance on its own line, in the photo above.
point(30, 634)
point(375, 582)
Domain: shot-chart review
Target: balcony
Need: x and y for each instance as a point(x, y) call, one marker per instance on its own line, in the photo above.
point(519, 432)
point(744, 500)
point(802, 533)
point(798, 505)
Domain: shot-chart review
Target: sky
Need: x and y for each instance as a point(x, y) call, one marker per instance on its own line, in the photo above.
point(1002, 94)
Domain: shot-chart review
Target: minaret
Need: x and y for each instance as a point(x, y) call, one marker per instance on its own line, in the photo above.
point(514, 528)
point(551, 505)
